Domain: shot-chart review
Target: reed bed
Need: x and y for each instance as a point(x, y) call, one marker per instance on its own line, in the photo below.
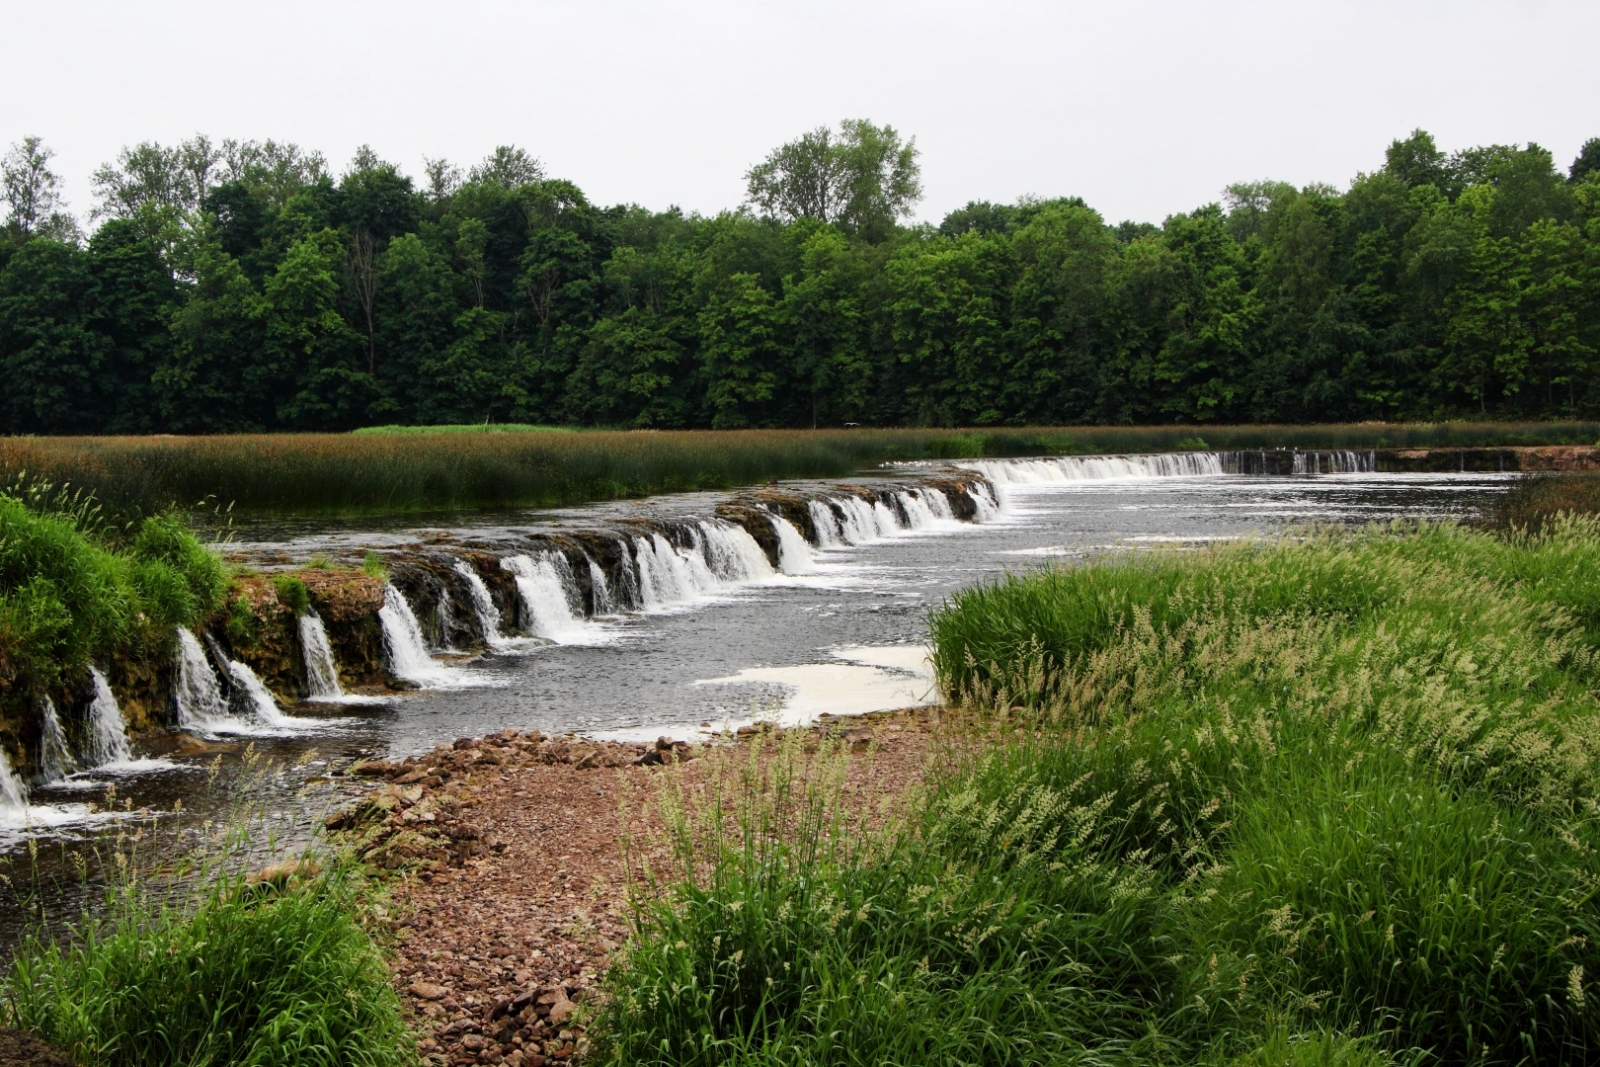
point(1322, 801)
point(397, 472)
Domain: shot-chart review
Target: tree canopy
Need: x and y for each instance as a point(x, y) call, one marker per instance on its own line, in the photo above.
point(244, 286)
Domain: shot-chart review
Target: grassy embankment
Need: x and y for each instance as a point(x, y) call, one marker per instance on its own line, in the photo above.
point(75, 590)
point(1321, 802)
point(442, 468)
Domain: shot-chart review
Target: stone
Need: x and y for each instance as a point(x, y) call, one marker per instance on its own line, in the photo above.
point(561, 1011)
point(426, 991)
point(474, 1042)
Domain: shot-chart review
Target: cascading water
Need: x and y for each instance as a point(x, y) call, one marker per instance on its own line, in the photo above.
point(402, 639)
point(55, 754)
point(443, 614)
point(322, 673)
point(731, 554)
point(1341, 461)
point(108, 731)
point(603, 604)
point(201, 706)
point(260, 703)
point(13, 794)
point(1096, 468)
point(794, 555)
point(547, 591)
point(826, 524)
point(482, 604)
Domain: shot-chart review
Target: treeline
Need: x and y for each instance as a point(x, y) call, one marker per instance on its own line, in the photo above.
point(242, 286)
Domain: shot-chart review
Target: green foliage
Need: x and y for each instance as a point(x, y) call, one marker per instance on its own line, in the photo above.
point(244, 973)
point(372, 566)
point(1325, 801)
point(292, 593)
point(67, 600)
point(238, 288)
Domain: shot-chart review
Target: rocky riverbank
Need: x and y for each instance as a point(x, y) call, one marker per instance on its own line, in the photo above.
point(509, 888)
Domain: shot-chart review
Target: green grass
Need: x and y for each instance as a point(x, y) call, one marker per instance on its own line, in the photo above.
point(241, 973)
point(1536, 500)
point(1320, 801)
point(396, 470)
point(73, 592)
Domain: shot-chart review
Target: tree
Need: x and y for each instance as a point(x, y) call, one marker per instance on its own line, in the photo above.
point(32, 192)
point(1587, 163)
point(865, 179)
point(508, 166)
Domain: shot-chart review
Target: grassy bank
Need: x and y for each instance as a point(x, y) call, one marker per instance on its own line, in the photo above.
point(75, 590)
point(419, 471)
point(277, 973)
point(1329, 801)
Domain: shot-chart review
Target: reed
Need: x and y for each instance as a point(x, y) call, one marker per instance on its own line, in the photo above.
point(444, 468)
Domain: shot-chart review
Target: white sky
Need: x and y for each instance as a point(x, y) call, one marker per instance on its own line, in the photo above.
point(1142, 107)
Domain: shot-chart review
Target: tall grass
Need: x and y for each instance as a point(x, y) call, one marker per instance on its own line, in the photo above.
point(1323, 801)
point(72, 592)
point(428, 470)
point(237, 973)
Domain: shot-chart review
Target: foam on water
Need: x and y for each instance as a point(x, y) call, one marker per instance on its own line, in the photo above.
point(408, 651)
point(547, 592)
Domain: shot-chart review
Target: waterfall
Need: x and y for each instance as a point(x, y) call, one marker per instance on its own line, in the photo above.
point(55, 755)
point(1095, 468)
point(826, 523)
point(322, 673)
point(108, 731)
point(731, 554)
point(938, 504)
point(984, 499)
point(603, 604)
point(199, 692)
point(13, 794)
point(482, 603)
point(546, 590)
point(408, 652)
point(443, 616)
point(794, 555)
point(262, 705)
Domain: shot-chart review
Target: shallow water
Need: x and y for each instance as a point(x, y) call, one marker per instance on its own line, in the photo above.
point(844, 636)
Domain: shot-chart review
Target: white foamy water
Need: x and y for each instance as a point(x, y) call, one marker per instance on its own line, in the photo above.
point(55, 754)
point(108, 732)
point(549, 597)
point(482, 604)
point(794, 554)
point(1054, 469)
point(201, 706)
point(408, 651)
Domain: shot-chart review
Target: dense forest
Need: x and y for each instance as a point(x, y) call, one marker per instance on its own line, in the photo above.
point(242, 286)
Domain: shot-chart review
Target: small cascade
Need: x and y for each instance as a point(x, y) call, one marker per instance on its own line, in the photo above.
point(199, 692)
point(984, 499)
point(603, 604)
point(403, 640)
point(482, 603)
point(55, 754)
point(1096, 468)
point(547, 592)
point(259, 702)
point(731, 554)
point(13, 794)
point(827, 525)
point(444, 617)
point(108, 731)
point(1341, 461)
point(322, 673)
point(794, 554)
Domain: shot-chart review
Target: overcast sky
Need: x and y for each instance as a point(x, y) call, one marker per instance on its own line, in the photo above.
point(1143, 108)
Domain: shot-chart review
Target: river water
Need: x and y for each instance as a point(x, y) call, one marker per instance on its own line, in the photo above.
point(845, 635)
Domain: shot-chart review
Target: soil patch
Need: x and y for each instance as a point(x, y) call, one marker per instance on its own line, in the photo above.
point(18, 1049)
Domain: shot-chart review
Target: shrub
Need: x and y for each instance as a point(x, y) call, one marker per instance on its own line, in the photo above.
point(292, 593)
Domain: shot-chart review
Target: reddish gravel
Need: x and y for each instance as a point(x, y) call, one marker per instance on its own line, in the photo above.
point(505, 918)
